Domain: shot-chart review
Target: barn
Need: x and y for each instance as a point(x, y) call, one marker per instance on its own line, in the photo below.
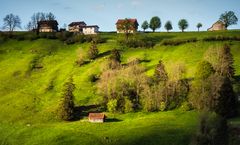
point(96, 117)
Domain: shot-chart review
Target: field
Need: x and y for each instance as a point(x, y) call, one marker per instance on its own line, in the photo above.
point(29, 97)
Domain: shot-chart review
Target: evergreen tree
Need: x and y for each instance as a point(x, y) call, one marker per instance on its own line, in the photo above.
point(66, 109)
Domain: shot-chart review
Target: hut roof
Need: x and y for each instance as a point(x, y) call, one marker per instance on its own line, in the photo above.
point(96, 116)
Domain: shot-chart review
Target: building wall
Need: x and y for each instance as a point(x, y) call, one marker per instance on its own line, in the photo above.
point(74, 29)
point(90, 30)
point(96, 120)
point(46, 29)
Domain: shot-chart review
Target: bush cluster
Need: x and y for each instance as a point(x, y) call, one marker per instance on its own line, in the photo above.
point(221, 38)
point(175, 42)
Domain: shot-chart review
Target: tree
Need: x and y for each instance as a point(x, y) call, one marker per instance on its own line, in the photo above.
point(213, 130)
point(93, 51)
point(160, 73)
point(199, 25)
point(11, 22)
point(66, 108)
point(155, 23)
point(204, 70)
point(145, 25)
point(114, 59)
point(50, 16)
point(29, 26)
point(225, 64)
point(229, 18)
point(112, 106)
point(168, 26)
point(183, 24)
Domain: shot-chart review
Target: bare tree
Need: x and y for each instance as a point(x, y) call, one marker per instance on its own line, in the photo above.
point(11, 22)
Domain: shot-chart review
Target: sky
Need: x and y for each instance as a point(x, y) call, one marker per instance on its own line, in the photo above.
point(105, 13)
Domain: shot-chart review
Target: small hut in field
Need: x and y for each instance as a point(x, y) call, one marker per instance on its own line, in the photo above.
point(219, 25)
point(96, 117)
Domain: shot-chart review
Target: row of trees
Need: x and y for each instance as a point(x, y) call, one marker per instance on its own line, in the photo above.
point(155, 23)
point(229, 18)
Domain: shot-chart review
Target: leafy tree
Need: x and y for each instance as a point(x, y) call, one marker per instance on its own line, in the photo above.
point(168, 26)
point(145, 25)
point(183, 24)
point(128, 107)
point(93, 51)
point(160, 73)
point(66, 109)
point(199, 25)
point(11, 22)
point(229, 18)
point(204, 70)
point(112, 106)
point(155, 23)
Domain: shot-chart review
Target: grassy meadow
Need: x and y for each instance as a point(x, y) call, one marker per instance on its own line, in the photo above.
point(29, 97)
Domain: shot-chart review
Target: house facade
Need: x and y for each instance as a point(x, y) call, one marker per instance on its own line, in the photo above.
point(48, 26)
point(96, 117)
point(76, 26)
point(133, 27)
point(89, 30)
point(219, 25)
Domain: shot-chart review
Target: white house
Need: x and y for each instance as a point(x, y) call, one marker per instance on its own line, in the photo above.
point(88, 30)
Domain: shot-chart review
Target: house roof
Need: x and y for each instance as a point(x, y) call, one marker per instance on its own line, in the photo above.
point(120, 21)
point(82, 23)
point(96, 116)
point(90, 26)
point(48, 22)
point(218, 22)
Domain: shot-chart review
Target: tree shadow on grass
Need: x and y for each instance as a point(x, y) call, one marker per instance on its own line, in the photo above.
point(106, 53)
point(109, 120)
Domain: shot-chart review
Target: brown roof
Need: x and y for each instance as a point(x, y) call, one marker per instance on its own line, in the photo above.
point(120, 21)
point(48, 22)
point(89, 26)
point(81, 23)
point(96, 116)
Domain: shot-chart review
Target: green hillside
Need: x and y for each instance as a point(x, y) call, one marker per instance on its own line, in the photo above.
point(30, 96)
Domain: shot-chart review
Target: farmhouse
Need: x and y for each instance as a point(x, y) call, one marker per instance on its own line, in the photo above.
point(219, 25)
point(76, 26)
point(96, 117)
point(133, 25)
point(48, 26)
point(93, 29)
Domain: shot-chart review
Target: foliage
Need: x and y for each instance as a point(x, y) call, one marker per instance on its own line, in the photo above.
point(128, 107)
point(112, 105)
point(199, 25)
point(66, 107)
point(175, 42)
point(204, 70)
point(145, 25)
point(93, 51)
point(168, 26)
point(213, 130)
point(183, 24)
point(155, 23)
point(160, 74)
point(229, 18)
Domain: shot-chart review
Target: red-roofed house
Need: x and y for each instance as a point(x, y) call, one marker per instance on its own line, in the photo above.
point(133, 27)
point(96, 117)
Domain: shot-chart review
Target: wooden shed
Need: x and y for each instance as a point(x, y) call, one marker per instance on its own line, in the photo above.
point(96, 117)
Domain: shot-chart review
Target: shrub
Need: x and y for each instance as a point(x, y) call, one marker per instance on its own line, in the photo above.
point(112, 106)
point(186, 106)
point(128, 107)
point(93, 51)
point(175, 42)
point(162, 106)
point(204, 70)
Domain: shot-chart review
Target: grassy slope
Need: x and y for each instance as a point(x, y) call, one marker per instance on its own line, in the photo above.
point(25, 99)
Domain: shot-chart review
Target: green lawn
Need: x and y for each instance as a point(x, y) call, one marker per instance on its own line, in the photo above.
point(25, 96)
